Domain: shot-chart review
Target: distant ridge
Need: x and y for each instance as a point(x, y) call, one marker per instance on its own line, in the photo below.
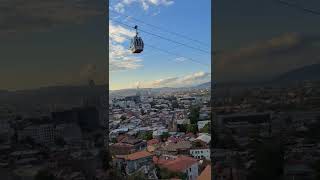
point(204, 85)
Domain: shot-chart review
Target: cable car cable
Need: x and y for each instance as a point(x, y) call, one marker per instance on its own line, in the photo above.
point(162, 29)
point(168, 52)
point(173, 41)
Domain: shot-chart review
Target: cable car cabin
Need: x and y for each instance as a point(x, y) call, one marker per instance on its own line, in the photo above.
point(136, 45)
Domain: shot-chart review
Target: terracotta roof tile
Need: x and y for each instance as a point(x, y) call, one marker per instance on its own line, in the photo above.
point(138, 155)
point(205, 174)
point(152, 142)
point(179, 164)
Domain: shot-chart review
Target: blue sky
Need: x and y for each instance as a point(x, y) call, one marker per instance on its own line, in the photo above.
point(154, 68)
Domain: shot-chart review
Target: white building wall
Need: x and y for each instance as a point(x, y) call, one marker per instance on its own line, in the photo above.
point(192, 172)
point(200, 153)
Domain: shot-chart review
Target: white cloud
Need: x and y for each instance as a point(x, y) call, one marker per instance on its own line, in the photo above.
point(164, 82)
point(119, 7)
point(120, 56)
point(156, 13)
point(128, 1)
point(187, 80)
point(118, 33)
point(180, 59)
point(145, 4)
point(161, 2)
point(195, 77)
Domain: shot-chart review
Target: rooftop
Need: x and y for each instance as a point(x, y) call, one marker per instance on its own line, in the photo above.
point(138, 155)
point(205, 174)
point(179, 164)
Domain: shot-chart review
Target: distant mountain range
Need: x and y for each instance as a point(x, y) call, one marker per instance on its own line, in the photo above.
point(71, 94)
point(310, 72)
point(204, 85)
point(129, 92)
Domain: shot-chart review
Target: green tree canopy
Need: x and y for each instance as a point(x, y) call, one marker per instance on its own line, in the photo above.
point(192, 128)
point(164, 136)
point(194, 114)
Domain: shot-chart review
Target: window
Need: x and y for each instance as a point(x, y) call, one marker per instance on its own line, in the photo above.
point(139, 42)
point(136, 42)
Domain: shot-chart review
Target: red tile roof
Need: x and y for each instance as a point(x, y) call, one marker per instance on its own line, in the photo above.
point(121, 137)
point(179, 164)
point(153, 141)
point(138, 155)
point(205, 174)
point(190, 134)
point(160, 161)
point(119, 145)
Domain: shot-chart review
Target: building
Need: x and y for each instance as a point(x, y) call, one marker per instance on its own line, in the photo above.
point(172, 148)
point(158, 132)
point(201, 124)
point(128, 146)
point(204, 137)
point(200, 153)
point(137, 161)
point(183, 164)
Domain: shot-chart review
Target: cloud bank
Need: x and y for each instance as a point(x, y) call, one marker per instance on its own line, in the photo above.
point(145, 4)
point(120, 57)
point(183, 81)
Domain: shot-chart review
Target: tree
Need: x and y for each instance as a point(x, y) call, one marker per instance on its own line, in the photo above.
point(152, 103)
point(206, 128)
point(114, 140)
point(175, 104)
point(164, 135)
point(194, 114)
point(148, 136)
point(197, 144)
point(182, 128)
point(123, 117)
point(145, 136)
point(142, 112)
point(192, 128)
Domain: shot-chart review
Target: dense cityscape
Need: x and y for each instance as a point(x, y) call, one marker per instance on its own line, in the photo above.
point(161, 136)
point(266, 132)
